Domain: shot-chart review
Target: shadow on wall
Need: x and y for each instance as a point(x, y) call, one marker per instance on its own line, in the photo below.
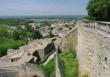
point(41, 54)
point(36, 54)
point(49, 48)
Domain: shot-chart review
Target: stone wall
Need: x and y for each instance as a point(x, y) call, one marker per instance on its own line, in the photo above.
point(26, 70)
point(91, 40)
point(8, 73)
point(94, 49)
point(48, 49)
point(86, 49)
point(69, 41)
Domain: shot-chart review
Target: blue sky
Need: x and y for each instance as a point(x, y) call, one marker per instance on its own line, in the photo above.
point(42, 7)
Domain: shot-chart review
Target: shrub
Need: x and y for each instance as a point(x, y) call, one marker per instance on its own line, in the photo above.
point(3, 51)
point(70, 28)
point(90, 18)
point(49, 36)
point(49, 69)
point(36, 35)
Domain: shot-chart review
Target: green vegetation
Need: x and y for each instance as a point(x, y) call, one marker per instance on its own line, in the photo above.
point(13, 21)
point(15, 39)
point(84, 75)
point(12, 35)
point(6, 44)
point(90, 18)
point(36, 35)
point(50, 35)
point(49, 69)
point(69, 27)
point(68, 64)
point(4, 31)
point(40, 21)
point(18, 34)
point(28, 28)
point(98, 10)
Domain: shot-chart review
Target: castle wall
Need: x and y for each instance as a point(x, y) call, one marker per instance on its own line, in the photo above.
point(69, 41)
point(101, 59)
point(86, 48)
point(94, 49)
point(91, 40)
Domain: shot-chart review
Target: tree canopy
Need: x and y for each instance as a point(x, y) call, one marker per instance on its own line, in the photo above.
point(99, 9)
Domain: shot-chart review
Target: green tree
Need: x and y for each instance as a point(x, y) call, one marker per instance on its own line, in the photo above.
point(16, 35)
point(99, 9)
point(28, 28)
point(51, 35)
point(4, 33)
point(36, 35)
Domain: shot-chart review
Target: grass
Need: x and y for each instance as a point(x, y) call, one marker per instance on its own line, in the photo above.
point(6, 44)
point(84, 75)
point(69, 64)
point(10, 43)
point(49, 69)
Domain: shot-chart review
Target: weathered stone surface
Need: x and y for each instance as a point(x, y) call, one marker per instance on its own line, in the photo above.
point(26, 70)
point(94, 50)
point(69, 41)
point(86, 49)
point(8, 73)
point(92, 43)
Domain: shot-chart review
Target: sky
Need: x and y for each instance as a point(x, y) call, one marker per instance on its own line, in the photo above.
point(42, 7)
